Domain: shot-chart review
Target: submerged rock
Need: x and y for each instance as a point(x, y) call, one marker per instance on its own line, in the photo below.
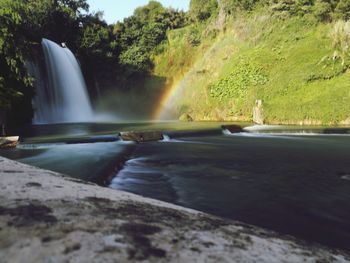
point(46, 217)
point(146, 136)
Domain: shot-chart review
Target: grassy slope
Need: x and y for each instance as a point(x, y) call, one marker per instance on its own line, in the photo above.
point(301, 83)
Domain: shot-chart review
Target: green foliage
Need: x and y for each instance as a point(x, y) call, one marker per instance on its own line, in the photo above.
point(149, 11)
point(136, 58)
point(176, 55)
point(58, 20)
point(96, 42)
point(342, 10)
point(94, 36)
point(232, 6)
point(293, 7)
point(193, 37)
point(13, 78)
point(201, 10)
point(341, 39)
point(323, 10)
point(73, 5)
point(289, 64)
point(234, 86)
point(138, 36)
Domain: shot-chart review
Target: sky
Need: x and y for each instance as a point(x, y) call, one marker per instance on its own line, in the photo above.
point(117, 10)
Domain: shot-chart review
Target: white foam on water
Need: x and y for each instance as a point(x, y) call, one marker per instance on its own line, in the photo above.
point(226, 132)
point(346, 177)
point(263, 127)
point(166, 138)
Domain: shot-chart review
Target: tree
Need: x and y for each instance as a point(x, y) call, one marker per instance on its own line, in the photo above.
point(14, 80)
point(149, 11)
point(139, 35)
point(95, 36)
point(136, 59)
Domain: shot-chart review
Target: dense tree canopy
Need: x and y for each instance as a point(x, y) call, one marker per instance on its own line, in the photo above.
point(13, 78)
point(138, 36)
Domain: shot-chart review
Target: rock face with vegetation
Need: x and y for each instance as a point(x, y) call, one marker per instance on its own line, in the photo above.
point(46, 217)
point(220, 56)
point(292, 55)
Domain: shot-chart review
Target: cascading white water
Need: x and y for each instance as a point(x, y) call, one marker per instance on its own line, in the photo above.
point(64, 98)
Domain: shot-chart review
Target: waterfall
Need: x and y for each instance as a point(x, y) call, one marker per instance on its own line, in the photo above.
point(64, 97)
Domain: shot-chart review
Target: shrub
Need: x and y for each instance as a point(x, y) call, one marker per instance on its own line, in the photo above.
point(322, 10)
point(235, 85)
point(342, 10)
point(193, 37)
point(230, 6)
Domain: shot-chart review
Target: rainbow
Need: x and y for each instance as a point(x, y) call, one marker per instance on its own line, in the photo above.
point(170, 91)
point(175, 86)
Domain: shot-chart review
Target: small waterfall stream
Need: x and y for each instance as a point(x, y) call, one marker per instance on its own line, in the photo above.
point(64, 97)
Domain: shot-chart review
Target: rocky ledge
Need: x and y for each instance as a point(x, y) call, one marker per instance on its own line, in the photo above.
point(47, 217)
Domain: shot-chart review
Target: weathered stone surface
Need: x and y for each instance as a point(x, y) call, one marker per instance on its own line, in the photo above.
point(46, 217)
point(146, 136)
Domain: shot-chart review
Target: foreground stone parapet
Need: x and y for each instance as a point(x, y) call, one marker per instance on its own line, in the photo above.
point(46, 217)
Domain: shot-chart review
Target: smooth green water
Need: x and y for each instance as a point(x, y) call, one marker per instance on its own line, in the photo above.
point(48, 146)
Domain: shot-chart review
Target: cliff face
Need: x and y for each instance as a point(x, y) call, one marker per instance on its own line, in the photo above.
point(47, 217)
point(293, 65)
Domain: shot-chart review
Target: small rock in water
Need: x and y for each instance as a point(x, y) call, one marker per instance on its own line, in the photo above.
point(147, 136)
